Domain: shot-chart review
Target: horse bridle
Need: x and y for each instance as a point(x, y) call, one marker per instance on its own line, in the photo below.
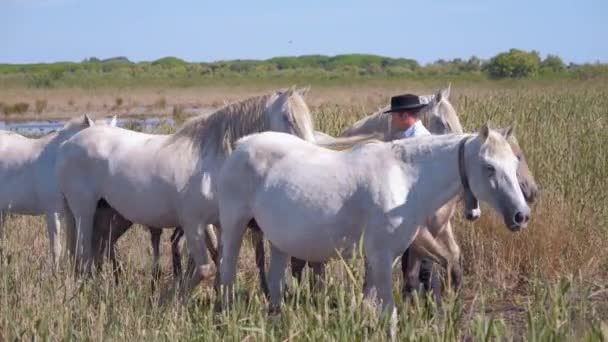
point(469, 198)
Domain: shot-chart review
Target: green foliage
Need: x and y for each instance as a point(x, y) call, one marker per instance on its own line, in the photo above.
point(552, 63)
point(514, 64)
point(172, 71)
point(590, 71)
point(169, 62)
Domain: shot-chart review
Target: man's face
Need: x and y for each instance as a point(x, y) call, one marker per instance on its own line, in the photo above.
point(402, 120)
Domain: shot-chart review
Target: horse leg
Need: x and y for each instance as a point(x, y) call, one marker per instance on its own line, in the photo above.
point(230, 240)
point(211, 241)
point(116, 266)
point(260, 257)
point(84, 212)
point(53, 227)
point(276, 278)
point(176, 255)
point(429, 279)
point(110, 226)
point(446, 235)
point(155, 235)
point(197, 247)
point(410, 267)
point(297, 268)
point(318, 269)
point(426, 245)
point(378, 275)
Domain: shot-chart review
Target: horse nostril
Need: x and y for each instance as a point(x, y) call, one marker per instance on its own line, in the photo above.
point(520, 218)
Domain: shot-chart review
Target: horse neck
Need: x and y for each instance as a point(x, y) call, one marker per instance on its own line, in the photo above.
point(53, 139)
point(449, 115)
point(436, 163)
point(377, 122)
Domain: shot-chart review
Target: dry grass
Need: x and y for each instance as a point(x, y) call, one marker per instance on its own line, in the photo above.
point(545, 283)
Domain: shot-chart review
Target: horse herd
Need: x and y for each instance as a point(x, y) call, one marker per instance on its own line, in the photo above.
point(259, 163)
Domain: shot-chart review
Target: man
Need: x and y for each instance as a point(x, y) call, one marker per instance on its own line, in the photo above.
point(406, 121)
point(404, 116)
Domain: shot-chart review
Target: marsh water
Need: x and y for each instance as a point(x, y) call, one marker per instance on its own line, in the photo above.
point(42, 127)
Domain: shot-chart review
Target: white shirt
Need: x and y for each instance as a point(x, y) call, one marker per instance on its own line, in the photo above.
point(416, 130)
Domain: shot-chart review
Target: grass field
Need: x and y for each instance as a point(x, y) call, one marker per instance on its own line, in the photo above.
point(549, 282)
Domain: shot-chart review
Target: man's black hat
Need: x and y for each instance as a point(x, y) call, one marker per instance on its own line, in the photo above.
point(403, 103)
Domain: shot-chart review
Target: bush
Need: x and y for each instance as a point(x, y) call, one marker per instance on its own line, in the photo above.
point(179, 115)
point(161, 103)
point(40, 80)
point(513, 64)
point(17, 108)
point(552, 63)
point(40, 105)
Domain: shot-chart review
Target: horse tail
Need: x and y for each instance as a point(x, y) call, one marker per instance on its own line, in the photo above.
point(344, 143)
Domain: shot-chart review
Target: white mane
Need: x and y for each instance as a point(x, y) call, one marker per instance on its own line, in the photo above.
point(219, 131)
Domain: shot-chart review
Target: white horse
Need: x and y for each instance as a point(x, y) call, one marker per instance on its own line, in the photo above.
point(440, 118)
point(312, 203)
point(27, 175)
point(167, 180)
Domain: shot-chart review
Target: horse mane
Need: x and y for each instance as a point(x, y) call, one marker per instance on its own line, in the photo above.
point(75, 122)
point(449, 115)
point(372, 121)
point(219, 131)
point(380, 118)
point(352, 142)
point(406, 149)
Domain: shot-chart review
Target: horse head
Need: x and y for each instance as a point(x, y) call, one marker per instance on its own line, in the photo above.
point(491, 170)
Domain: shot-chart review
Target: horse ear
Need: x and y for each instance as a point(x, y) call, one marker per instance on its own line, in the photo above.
point(285, 94)
point(291, 90)
point(508, 132)
point(438, 96)
point(113, 121)
point(87, 121)
point(303, 91)
point(484, 132)
point(445, 92)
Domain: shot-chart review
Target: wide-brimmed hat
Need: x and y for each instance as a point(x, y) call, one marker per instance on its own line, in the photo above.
point(405, 102)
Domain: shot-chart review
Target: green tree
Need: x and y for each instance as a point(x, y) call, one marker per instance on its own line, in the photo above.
point(552, 63)
point(514, 64)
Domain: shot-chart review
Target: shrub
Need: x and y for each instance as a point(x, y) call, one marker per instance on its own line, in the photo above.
point(179, 115)
point(40, 80)
point(40, 105)
point(160, 103)
point(513, 64)
point(17, 108)
point(552, 63)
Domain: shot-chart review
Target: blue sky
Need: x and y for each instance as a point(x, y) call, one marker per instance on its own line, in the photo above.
point(199, 30)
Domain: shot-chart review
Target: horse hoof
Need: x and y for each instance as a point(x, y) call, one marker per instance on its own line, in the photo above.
point(274, 311)
point(407, 293)
point(207, 271)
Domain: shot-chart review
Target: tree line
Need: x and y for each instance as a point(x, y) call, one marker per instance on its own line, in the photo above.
point(514, 63)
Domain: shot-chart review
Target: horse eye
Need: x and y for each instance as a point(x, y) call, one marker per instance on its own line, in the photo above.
point(491, 170)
